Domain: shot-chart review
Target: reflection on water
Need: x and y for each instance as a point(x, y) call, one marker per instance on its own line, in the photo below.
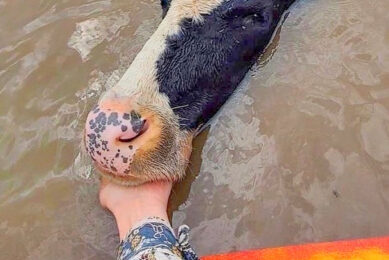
point(301, 153)
point(56, 58)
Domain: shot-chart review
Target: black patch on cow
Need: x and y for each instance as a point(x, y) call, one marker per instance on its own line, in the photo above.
point(136, 122)
point(126, 116)
point(165, 4)
point(113, 119)
point(203, 64)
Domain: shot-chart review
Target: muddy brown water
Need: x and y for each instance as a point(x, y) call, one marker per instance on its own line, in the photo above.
point(299, 154)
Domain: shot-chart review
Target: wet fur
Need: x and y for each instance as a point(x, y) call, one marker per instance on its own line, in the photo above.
point(187, 70)
point(204, 63)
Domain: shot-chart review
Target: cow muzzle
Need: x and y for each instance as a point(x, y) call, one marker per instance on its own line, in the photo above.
point(132, 144)
point(113, 133)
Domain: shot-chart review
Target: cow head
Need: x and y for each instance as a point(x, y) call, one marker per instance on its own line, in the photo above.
point(141, 129)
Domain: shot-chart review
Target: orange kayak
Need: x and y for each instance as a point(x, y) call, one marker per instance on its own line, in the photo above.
point(361, 249)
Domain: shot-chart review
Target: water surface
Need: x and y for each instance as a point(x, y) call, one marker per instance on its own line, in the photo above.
point(299, 154)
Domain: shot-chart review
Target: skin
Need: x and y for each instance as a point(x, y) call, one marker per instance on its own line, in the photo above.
point(130, 205)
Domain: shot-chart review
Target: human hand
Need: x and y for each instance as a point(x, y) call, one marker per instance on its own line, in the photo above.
point(132, 204)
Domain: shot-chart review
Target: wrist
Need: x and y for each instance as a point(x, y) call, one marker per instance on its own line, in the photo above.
point(127, 217)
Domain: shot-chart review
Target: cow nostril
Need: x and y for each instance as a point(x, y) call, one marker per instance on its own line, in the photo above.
point(143, 128)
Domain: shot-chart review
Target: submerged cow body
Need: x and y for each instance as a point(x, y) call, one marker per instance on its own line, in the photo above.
point(142, 128)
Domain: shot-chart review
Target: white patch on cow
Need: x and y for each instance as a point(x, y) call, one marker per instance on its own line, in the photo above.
point(92, 32)
point(140, 78)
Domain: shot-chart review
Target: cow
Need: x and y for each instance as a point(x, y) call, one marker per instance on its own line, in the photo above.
point(142, 128)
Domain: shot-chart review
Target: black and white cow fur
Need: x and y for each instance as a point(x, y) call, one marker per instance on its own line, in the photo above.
point(142, 128)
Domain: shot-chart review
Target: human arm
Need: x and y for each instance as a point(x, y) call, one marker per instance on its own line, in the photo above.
point(141, 216)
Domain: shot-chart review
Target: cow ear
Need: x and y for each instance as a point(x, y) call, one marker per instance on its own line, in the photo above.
point(165, 4)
